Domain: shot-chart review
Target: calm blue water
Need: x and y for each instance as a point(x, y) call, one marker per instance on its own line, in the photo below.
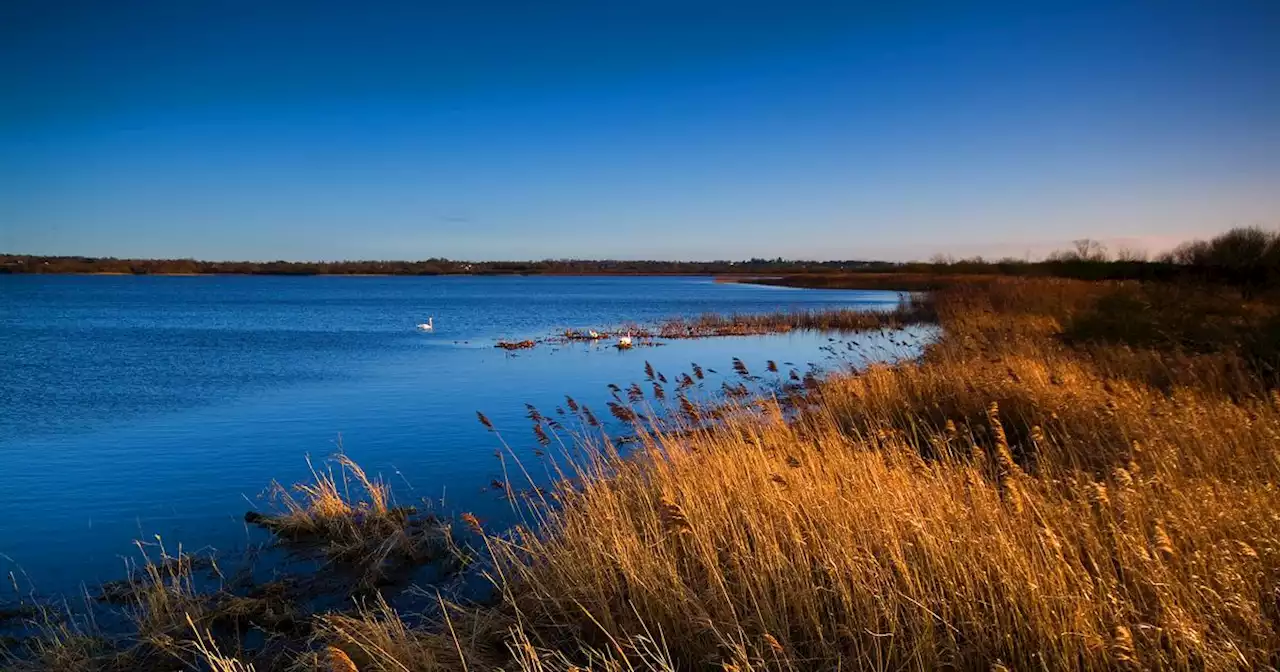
point(134, 406)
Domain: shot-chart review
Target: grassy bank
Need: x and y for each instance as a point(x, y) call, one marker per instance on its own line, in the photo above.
point(1077, 476)
point(1018, 499)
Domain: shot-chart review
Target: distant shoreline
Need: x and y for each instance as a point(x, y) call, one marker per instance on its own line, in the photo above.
point(36, 264)
point(720, 277)
point(1242, 257)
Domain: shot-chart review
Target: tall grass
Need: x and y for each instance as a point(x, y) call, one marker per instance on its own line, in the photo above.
point(774, 547)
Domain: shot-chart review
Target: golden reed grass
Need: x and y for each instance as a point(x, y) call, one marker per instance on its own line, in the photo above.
point(1007, 502)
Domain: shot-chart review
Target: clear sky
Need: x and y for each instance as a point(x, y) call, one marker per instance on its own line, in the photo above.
point(264, 129)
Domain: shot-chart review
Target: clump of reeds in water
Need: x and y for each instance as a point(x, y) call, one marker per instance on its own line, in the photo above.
point(366, 531)
point(914, 310)
point(910, 310)
point(516, 345)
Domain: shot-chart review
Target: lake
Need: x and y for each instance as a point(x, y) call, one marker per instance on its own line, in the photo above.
point(136, 406)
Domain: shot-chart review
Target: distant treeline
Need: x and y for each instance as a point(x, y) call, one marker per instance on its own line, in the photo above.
point(1248, 258)
point(1244, 257)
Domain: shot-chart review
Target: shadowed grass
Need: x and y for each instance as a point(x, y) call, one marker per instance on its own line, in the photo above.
point(179, 617)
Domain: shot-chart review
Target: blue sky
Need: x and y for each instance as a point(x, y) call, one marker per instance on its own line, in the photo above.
point(489, 130)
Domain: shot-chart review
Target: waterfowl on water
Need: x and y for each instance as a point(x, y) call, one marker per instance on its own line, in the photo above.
point(429, 325)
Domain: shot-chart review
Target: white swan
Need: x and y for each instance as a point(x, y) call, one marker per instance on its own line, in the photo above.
point(593, 333)
point(429, 325)
point(624, 341)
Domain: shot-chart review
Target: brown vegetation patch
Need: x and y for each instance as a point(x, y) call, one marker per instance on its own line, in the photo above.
point(911, 311)
point(516, 345)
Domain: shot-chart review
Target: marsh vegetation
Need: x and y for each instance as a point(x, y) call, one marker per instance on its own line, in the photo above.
point(1074, 476)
